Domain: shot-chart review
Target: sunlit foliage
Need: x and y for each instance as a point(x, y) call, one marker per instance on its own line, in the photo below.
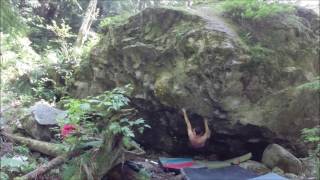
point(10, 22)
point(254, 9)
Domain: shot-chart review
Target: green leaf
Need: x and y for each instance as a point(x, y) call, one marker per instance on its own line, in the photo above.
point(21, 150)
point(85, 107)
point(140, 129)
point(139, 121)
point(14, 162)
point(127, 131)
point(124, 120)
point(126, 142)
point(94, 101)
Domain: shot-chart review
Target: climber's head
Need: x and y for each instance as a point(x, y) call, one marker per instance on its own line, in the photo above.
point(198, 131)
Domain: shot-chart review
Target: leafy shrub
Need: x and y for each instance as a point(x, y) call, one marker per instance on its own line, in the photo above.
point(81, 113)
point(254, 9)
point(312, 136)
point(28, 72)
point(22, 68)
point(21, 150)
point(18, 57)
point(111, 109)
point(10, 21)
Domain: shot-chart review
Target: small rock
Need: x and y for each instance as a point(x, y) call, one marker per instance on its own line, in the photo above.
point(309, 167)
point(276, 156)
point(35, 130)
point(41, 118)
point(45, 114)
point(291, 176)
point(36, 155)
point(278, 170)
point(255, 166)
point(5, 148)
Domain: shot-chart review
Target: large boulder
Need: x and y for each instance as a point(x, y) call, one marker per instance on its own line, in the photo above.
point(251, 93)
point(276, 156)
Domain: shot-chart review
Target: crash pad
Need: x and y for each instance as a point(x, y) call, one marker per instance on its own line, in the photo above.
point(179, 163)
point(176, 163)
point(229, 162)
point(269, 176)
point(227, 173)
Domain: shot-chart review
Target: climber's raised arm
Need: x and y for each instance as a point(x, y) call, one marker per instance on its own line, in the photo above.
point(186, 119)
point(207, 130)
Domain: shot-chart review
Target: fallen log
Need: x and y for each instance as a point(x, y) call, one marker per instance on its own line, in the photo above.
point(45, 168)
point(51, 165)
point(50, 149)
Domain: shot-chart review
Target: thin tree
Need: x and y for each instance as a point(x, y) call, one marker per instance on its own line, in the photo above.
point(90, 15)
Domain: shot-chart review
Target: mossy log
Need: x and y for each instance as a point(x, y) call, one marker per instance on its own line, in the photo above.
point(49, 149)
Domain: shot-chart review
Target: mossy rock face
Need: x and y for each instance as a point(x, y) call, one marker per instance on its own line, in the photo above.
point(247, 90)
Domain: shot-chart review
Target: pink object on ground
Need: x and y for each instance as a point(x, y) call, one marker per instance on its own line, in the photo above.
point(67, 129)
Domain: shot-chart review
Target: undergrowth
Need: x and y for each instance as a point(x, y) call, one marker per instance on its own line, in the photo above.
point(92, 117)
point(311, 136)
point(254, 9)
point(16, 162)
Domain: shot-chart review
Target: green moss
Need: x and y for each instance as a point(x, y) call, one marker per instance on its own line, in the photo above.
point(259, 55)
point(162, 86)
point(183, 27)
point(152, 30)
point(165, 91)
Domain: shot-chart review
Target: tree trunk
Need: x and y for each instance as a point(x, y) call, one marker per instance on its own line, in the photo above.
point(86, 23)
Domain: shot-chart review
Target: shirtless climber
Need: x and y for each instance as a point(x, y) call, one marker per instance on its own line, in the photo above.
point(196, 137)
